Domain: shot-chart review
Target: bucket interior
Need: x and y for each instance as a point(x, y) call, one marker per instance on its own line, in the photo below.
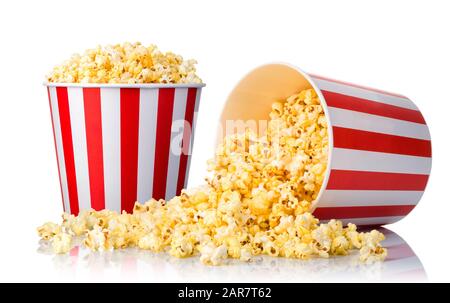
point(253, 96)
point(251, 101)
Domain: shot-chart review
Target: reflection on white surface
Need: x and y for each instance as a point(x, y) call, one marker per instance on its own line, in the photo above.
point(402, 264)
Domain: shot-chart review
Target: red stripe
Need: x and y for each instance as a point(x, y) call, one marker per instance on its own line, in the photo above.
point(371, 107)
point(93, 120)
point(66, 132)
point(74, 251)
point(378, 142)
point(56, 149)
point(368, 180)
point(189, 116)
point(327, 213)
point(129, 140)
point(360, 86)
point(163, 131)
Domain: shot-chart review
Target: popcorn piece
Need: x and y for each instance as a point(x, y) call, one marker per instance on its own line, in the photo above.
point(340, 246)
point(97, 239)
point(48, 230)
point(211, 255)
point(245, 253)
point(353, 236)
point(125, 63)
point(371, 250)
point(150, 242)
point(61, 243)
point(256, 201)
point(181, 248)
point(304, 251)
point(76, 225)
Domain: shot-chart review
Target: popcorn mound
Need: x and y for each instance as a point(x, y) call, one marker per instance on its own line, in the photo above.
point(257, 201)
point(125, 63)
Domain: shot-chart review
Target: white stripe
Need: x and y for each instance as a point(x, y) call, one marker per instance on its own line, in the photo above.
point(59, 148)
point(369, 221)
point(110, 104)
point(148, 113)
point(176, 138)
point(191, 141)
point(373, 123)
point(364, 93)
point(341, 198)
point(78, 125)
point(360, 160)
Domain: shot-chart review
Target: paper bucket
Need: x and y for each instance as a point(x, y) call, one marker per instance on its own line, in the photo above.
point(118, 144)
point(379, 144)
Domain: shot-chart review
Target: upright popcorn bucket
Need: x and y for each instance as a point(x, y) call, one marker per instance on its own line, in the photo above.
point(117, 144)
point(379, 156)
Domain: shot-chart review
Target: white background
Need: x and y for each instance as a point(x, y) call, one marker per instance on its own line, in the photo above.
point(399, 46)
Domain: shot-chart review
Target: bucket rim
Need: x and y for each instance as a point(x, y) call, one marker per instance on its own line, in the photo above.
point(125, 85)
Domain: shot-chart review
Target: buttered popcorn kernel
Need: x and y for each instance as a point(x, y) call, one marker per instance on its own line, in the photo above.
point(48, 230)
point(61, 243)
point(125, 63)
point(257, 201)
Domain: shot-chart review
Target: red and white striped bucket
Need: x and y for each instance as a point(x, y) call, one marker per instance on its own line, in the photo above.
point(118, 144)
point(379, 144)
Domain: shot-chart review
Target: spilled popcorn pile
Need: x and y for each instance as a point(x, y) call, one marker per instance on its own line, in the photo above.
point(125, 63)
point(257, 201)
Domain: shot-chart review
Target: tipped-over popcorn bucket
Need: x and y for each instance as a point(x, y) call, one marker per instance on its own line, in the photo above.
point(118, 144)
point(379, 156)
